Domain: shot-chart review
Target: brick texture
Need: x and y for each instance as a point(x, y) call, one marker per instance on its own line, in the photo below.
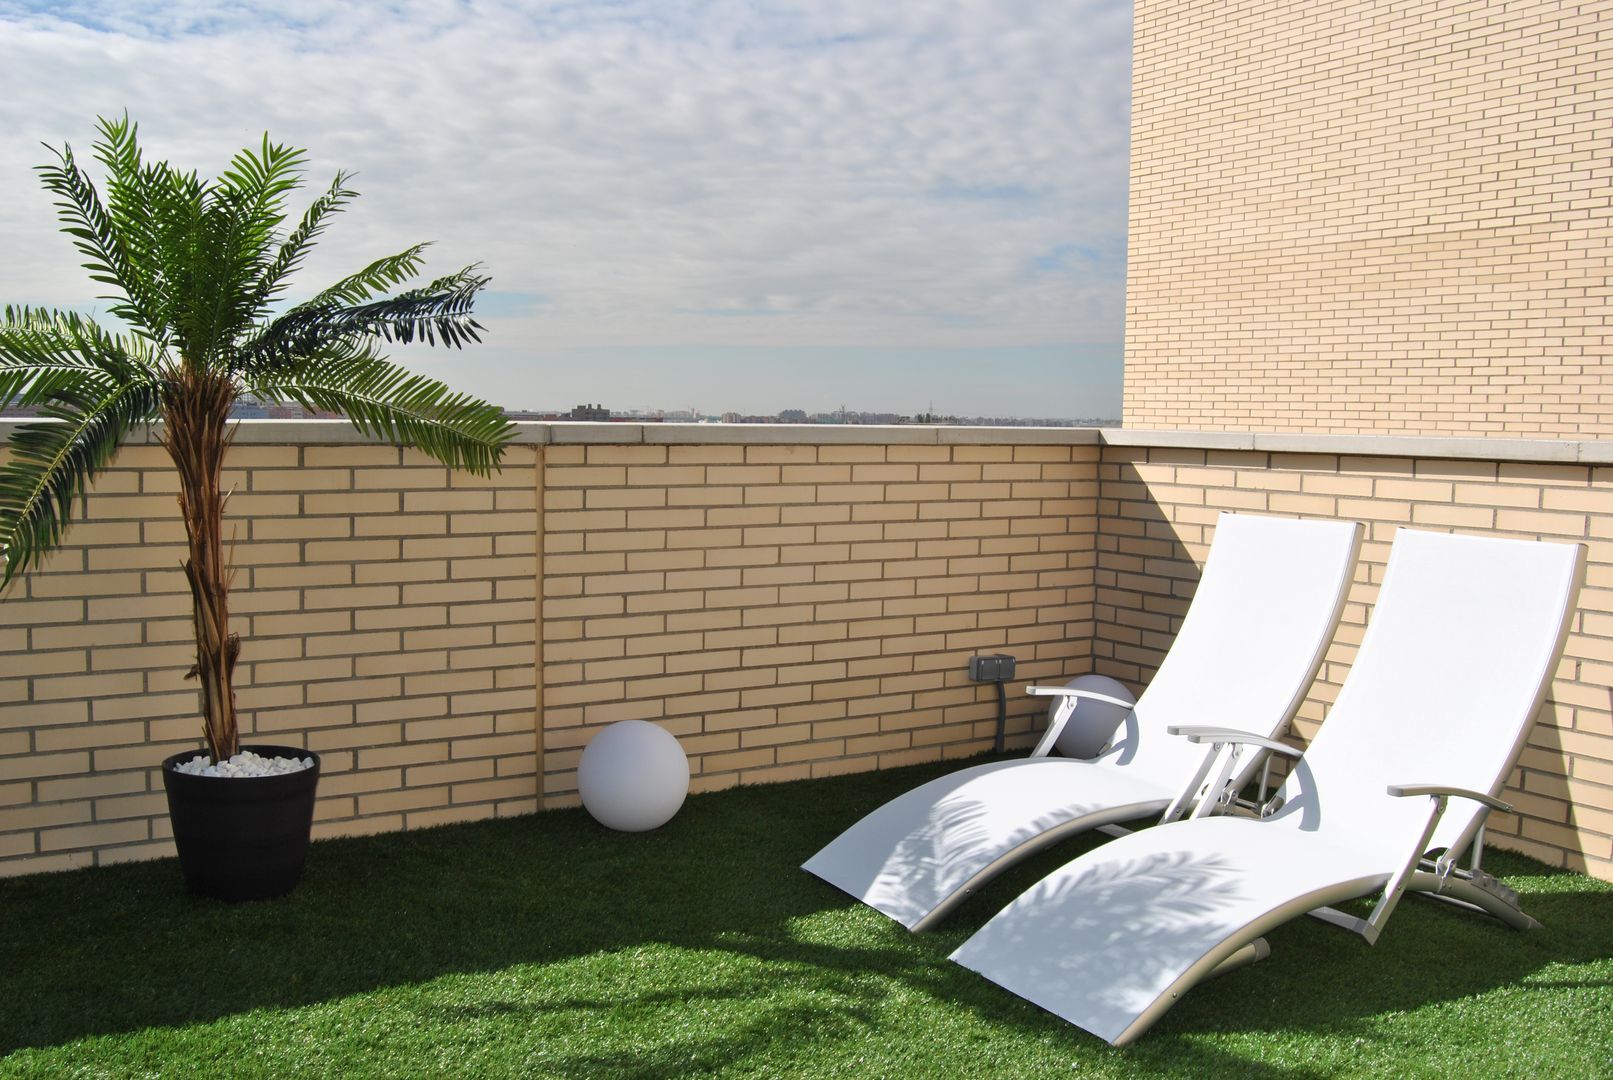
point(785, 609)
point(1157, 514)
point(795, 610)
point(1361, 216)
point(388, 613)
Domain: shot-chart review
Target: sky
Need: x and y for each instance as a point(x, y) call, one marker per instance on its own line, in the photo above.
point(734, 205)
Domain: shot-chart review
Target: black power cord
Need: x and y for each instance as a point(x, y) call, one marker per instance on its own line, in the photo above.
point(1002, 717)
point(997, 668)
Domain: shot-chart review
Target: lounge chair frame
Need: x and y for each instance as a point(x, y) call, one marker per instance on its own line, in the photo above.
point(1142, 921)
point(922, 854)
point(1441, 876)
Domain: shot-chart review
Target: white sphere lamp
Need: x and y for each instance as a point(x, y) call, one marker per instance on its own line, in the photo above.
point(1094, 721)
point(633, 776)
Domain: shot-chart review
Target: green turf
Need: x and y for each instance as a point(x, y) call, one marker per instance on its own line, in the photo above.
point(548, 946)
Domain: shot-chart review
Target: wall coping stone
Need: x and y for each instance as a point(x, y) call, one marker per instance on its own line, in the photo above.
point(530, 433)
point(260, 432)
point(1542, 451)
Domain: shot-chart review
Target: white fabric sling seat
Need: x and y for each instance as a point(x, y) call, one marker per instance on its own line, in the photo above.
point(1461, 646)
point(1265, 609)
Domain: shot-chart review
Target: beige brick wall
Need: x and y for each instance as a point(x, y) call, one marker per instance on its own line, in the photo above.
point(786, 610)
point(1157, 516)
point(800, 610)
point(786, 607)
point(388, 613)
point(1371, 216)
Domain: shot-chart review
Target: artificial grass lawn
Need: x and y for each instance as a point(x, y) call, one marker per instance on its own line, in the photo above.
point(548, 946)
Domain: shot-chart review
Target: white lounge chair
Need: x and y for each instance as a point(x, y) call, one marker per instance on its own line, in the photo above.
point(1265, 609)
point(1461, 645)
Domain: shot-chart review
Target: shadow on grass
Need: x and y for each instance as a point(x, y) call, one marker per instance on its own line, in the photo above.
point(698, 947)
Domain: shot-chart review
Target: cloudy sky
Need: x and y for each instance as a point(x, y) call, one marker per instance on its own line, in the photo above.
point(731, 205)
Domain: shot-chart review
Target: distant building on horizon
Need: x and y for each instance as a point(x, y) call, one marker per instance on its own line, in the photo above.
point(250, 408)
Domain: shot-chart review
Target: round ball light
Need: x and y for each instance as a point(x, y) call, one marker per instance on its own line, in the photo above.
point(1094, 721)
point(633, 776)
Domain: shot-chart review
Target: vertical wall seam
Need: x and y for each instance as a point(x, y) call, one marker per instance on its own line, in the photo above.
point(538, 465)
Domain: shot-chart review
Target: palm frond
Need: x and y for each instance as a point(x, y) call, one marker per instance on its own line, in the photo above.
point(375, 279)
point(129, 212)
point(152, 212)
point(287, 260)
point(52, 463)
point(266, 175)
point(235, 222)
point(98, 237)
point(440, 312)
point(385, 401)
point(43, 352)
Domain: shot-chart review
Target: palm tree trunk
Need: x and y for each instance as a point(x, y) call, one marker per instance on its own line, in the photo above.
point(195, 432)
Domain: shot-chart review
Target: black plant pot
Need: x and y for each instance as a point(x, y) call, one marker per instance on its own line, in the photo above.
point(242, 838)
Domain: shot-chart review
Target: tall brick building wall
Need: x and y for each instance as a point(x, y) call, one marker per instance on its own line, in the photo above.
point(1372, 216)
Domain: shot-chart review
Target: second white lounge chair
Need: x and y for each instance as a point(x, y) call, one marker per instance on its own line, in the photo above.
point(1253, 638)
point(1463, 641)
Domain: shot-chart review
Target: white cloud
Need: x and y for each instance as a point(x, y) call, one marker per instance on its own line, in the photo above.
point(833, 174)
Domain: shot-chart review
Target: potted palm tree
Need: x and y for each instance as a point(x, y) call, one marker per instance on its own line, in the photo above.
point(198, 272)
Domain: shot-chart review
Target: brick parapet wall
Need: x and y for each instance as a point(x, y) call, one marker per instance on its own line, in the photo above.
point(789, 601)
point(799, 610)
point(1372, 216)
point(1157, 513)
point(807, 598)
point(387, 607)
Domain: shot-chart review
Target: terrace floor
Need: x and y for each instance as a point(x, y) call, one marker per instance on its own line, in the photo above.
point(547, 946)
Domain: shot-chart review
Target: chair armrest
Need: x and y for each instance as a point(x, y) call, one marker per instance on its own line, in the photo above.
point(1401, 791)
point(1085, 695)
point(1218, 791)
point(1238, 738)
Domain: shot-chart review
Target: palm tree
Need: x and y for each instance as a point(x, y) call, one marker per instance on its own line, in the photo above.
point(197, 271)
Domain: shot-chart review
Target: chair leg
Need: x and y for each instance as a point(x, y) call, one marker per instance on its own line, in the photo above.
point(1251, 953)
point(1478, 890)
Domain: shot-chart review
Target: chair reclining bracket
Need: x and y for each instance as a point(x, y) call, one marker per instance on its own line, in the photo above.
point(1442, 878)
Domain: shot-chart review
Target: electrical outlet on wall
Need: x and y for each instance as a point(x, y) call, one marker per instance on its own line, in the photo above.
point(998, 667)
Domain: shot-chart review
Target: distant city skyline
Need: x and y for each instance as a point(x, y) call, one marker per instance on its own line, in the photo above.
point(247, 408)
point(599, 413)
point(732, 207)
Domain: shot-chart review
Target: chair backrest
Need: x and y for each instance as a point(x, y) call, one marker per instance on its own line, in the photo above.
point(1461, 645)
point(1260, 621)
